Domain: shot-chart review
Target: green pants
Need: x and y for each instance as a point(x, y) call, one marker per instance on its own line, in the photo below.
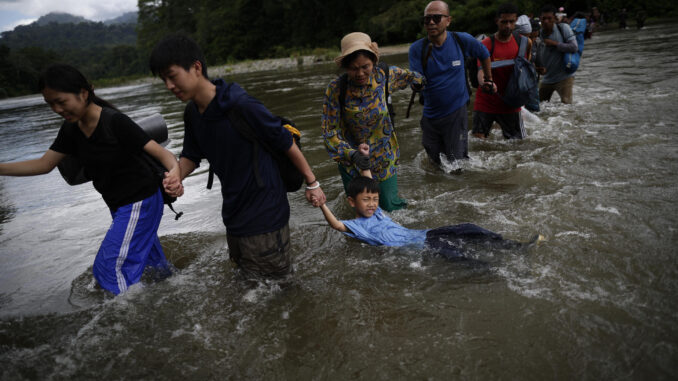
point(388, 191)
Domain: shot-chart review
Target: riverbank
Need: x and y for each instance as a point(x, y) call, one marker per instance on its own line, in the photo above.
point(251, 66)
point(290, 62)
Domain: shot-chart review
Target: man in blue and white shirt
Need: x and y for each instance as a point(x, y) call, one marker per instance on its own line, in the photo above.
point(440, 58)
point(558, 39)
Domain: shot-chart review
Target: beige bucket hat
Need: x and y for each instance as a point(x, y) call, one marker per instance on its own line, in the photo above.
point(356, 41)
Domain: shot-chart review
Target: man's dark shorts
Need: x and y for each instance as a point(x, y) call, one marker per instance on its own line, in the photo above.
point(447, 135)
point(264, 255)
point(511, 124)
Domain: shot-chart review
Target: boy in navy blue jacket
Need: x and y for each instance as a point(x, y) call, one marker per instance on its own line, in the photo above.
point(255, 214)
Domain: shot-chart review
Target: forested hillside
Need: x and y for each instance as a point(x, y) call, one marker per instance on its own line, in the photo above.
point(98, 49)
point(246, 29)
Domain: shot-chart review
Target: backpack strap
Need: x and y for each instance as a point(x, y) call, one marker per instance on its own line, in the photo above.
point(560, 29)
point(425, 54)
point(522, 48)
point(389, 102)
point(105, 119)
point(343, 85)
point(144, 158)
point(239, 124)
point(462, 48)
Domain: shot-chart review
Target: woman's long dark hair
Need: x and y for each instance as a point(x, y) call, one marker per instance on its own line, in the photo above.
point(67, 79)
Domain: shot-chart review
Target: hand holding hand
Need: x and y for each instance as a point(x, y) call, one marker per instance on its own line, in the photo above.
point(315, 197)
point(172, 183)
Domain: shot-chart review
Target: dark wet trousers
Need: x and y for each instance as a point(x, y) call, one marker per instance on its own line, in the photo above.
point(449, 241)
point(447, 135)
point(263, 255)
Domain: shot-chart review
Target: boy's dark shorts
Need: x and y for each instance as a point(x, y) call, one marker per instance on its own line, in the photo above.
point(511, 124)
point(263, 255)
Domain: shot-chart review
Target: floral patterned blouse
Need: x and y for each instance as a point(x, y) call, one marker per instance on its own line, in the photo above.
point(365, 119)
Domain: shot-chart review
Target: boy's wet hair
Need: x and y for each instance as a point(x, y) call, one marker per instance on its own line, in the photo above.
point(361, 184)
point(176, 49)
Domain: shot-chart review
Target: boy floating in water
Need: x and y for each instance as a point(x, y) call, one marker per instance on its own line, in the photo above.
point(374, 227)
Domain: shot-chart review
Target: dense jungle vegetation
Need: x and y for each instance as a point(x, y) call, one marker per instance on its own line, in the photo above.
point(248, 29)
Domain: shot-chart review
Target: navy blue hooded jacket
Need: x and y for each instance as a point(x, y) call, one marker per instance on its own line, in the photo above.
point(247, 209)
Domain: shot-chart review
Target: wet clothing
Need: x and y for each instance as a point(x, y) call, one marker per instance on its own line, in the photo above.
point(247, 209)
point(533, 103)
point(255, 217)
point(447, 136)
point(551, 57)
point(444, 121)
point(131, 193)
point(448, 241)
point(380, 230)
point(563, 88)
point(365, 119)
point(388, 191)
point(130, 245)
point(265, 254)
point(511, 124)
point(113, 167)
point(492, 103)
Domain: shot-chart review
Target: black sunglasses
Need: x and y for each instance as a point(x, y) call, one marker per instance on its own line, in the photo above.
point(436, 18)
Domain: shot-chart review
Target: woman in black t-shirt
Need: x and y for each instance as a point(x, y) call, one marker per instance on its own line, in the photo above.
point(110, 156)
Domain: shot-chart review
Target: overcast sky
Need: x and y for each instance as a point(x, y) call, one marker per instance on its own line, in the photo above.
point(18, 12)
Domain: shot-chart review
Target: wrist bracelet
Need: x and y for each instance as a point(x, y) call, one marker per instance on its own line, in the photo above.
point(310, 182)
point(315, 186)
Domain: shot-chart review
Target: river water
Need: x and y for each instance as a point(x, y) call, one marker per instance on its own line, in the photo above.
point(596, 300)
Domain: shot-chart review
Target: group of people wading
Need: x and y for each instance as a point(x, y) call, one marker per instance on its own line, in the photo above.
point(357, 128)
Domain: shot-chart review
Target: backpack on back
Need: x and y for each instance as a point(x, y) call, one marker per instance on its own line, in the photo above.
point(571, 60)
point(290, 175)
point(524, 76)
point(579, 28)
point(74, 173)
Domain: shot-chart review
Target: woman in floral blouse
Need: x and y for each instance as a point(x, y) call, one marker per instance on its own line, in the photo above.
point(364, 118)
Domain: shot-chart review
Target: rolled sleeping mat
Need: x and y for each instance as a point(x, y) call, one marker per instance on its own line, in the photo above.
point(156, 128)
point(72, 170)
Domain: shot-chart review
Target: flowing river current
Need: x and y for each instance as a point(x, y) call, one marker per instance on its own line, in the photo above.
point(596, 300)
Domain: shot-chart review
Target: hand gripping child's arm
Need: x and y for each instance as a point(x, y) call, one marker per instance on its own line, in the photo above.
point(364, 150)
point(332, 220)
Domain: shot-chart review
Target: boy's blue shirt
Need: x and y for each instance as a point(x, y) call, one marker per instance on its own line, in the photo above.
point(381, 230)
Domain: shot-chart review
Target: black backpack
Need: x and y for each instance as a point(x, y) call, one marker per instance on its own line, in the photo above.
point(524, 76)
point(74, 173)
point(291, 177)
point(472, 65)
point(343, 84)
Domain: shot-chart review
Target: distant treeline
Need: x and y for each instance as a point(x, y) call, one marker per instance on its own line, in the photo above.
point(101, 51)
point(248, 29)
